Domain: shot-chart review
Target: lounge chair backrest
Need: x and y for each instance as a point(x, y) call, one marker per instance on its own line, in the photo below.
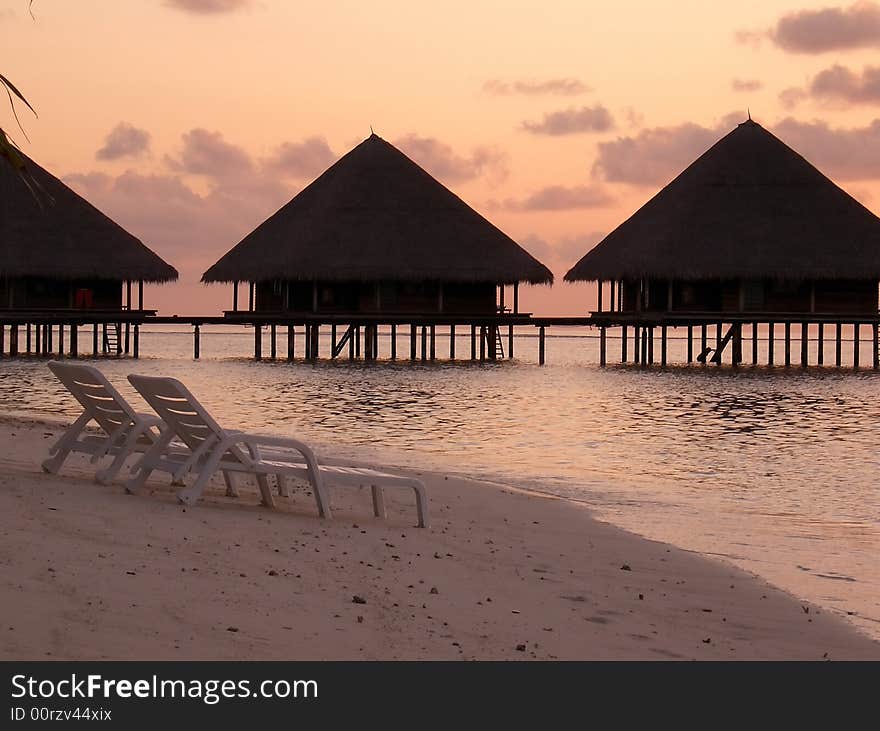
point(95, 393)
point(178, 408)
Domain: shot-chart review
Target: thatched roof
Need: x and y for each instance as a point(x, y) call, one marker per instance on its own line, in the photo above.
point(47, 230)
point(749, 207)
point(376, 215)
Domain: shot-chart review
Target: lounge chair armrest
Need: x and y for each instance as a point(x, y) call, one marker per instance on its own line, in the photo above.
point(262, 440)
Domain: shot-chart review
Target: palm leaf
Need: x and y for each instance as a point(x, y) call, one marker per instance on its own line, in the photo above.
point(10, 152)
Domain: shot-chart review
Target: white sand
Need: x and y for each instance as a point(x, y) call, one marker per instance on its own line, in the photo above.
point(89, 572)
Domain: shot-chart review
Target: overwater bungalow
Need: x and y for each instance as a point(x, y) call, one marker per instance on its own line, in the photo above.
point(63, 263)
point(749, 234)
point(376, 240)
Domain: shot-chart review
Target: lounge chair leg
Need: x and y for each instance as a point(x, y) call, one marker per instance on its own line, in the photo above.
point(137, 482)
point(421, 504)
point(283, 490)
point(265, 491)
point(230, 485)
point(105, 476)
point(62, 447)
point(322, 500)
point(190, 495)
point(378, 501)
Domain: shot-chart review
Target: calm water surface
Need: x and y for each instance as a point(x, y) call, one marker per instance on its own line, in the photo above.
point(772, 469)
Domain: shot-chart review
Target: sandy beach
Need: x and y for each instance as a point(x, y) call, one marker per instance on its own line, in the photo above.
point(89, 572)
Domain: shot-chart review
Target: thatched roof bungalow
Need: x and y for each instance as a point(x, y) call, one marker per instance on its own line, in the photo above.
point(376, 233)
point(750, 226)
point(58, 252)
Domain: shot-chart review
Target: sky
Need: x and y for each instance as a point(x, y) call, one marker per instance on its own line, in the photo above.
point(191, 121)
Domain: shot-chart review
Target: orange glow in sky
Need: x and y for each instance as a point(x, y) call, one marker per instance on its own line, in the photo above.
point(191, 121)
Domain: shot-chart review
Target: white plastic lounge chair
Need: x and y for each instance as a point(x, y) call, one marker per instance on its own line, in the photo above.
point(210, 448)
point(124, 430)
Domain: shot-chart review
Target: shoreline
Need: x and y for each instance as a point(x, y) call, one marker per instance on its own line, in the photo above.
point(91, 572)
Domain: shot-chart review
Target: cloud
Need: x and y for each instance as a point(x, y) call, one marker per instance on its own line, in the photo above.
point(557, 87)
point(752, 38)
point(124, 140)
point(207, 153)
point(443, 163)
point(306, 159)
point(572, 121)
point(829, 29)
point(791, 97)
point(840, 84)
point(654, 155)
point(563, 252)
point(208, 7)
point(847, 153)
point(746, 85)
point(559, 198)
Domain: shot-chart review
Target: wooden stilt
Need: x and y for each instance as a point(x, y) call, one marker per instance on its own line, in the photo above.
point(235, 296)
point(482, 343)
point(424, 342)
point(754, 343)
point(357, 341)
point(316, 347)
point(663, 345)
point(352, 342)
point(838, 359)
point(128, 336)
point(452, 342)
point(250, 296)
point(651, 345)
point(258, 341)
point(393, 342)
point(623, 342)
point(510, 341)
point(690, 344)
point(876, 333)
point(13, 340)
point(703, 340)
point(473, 342)
point(95, 339)
point(48, 339)
point(541, 350)
point(74, 337)
point(196, 342)
point(60, 341)
point(644, 345)
point(820, 346)
point(333, 340)
point(771, 341)
point(602, 347)
point(2, 339)
point(433, 342)
point(737, 354)
point(27, 339)
point(368, 344)
point(718, 337)
point(273, 341)
point(787, 344)
point(805, 342)
point(856, 344)
point(412, 342)
point(290, 342)
point(136, 353)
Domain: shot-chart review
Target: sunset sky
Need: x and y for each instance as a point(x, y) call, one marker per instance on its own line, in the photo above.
point(191, 121)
